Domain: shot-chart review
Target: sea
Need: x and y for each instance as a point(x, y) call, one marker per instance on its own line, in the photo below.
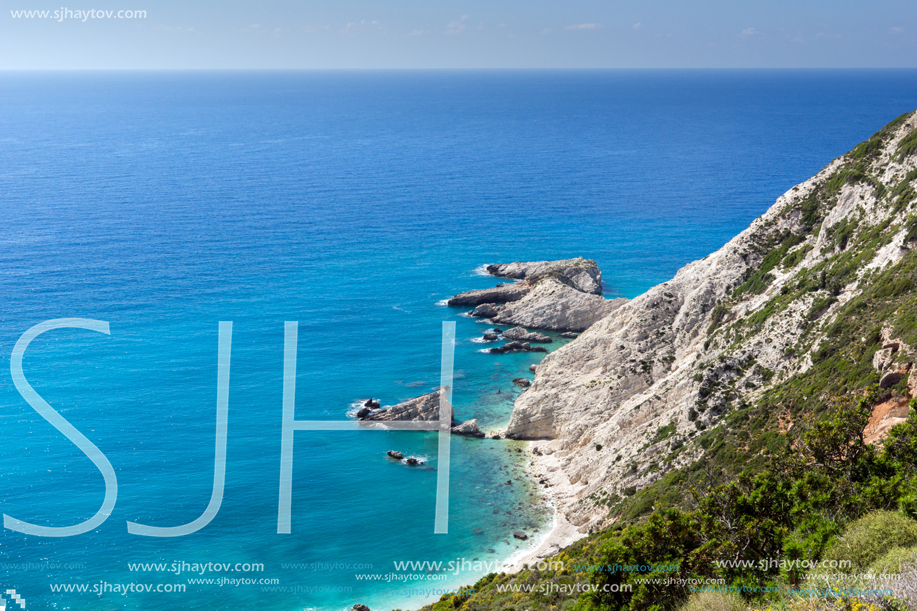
point(353, 203)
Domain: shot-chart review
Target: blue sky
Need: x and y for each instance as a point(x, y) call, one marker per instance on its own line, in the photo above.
point(365, 34)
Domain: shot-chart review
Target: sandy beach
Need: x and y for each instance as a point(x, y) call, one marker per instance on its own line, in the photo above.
point(545, 464)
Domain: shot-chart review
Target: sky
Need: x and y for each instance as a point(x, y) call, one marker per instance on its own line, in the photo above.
point(446, 34)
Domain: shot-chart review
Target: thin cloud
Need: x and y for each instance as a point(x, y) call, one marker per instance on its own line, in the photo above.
point(895, 30)
point(749, 32)
point(458, 26)
point(584, 26)
point(262, 30)
point(355, 27)
point(638, 25)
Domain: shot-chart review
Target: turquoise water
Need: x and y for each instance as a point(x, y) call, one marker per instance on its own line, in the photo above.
point(164, 203)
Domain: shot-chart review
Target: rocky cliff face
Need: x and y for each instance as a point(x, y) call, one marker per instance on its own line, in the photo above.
point(640, 383)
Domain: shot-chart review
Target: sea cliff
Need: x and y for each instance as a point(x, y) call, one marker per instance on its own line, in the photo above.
point(646, 379)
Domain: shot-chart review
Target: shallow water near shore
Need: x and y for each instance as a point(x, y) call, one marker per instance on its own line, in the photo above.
point(352, 203)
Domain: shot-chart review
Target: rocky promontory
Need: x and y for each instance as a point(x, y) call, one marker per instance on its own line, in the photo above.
point(563, 295)
point(424, 408)
point(583, 273)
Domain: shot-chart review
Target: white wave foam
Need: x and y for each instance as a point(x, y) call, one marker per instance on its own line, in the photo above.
point(442, 302)
point(423, 459)
point(355, 406)
point(481, 270)
point(481, 340)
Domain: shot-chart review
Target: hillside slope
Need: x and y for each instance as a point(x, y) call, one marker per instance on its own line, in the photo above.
point(643, 382)
point(758, 407)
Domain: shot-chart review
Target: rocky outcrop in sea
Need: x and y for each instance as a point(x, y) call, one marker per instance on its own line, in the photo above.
point(424, 408)
point(517, 347)
point(563, 295)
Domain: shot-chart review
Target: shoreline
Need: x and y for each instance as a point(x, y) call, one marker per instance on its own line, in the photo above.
point(561, 532)
point(545, 465)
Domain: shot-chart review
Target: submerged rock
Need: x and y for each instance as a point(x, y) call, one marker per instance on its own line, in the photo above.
point(520, 535)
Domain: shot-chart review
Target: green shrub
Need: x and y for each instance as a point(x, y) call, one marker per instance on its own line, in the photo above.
point(893, 560)
point(796, 256)
point(717, 316)
point(908, 145)
point(843, 231)
point(664, 432)
point(866, 540)
point(820, 306)
point(713, 601)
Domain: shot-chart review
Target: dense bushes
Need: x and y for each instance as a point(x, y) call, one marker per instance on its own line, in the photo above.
point(869, 538)
point(894, 560)
point(713, 601)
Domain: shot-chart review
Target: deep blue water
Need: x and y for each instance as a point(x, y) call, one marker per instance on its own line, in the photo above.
point(164, 203)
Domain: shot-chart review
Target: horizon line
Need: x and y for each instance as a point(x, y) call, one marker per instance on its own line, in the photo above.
point(474, 69)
